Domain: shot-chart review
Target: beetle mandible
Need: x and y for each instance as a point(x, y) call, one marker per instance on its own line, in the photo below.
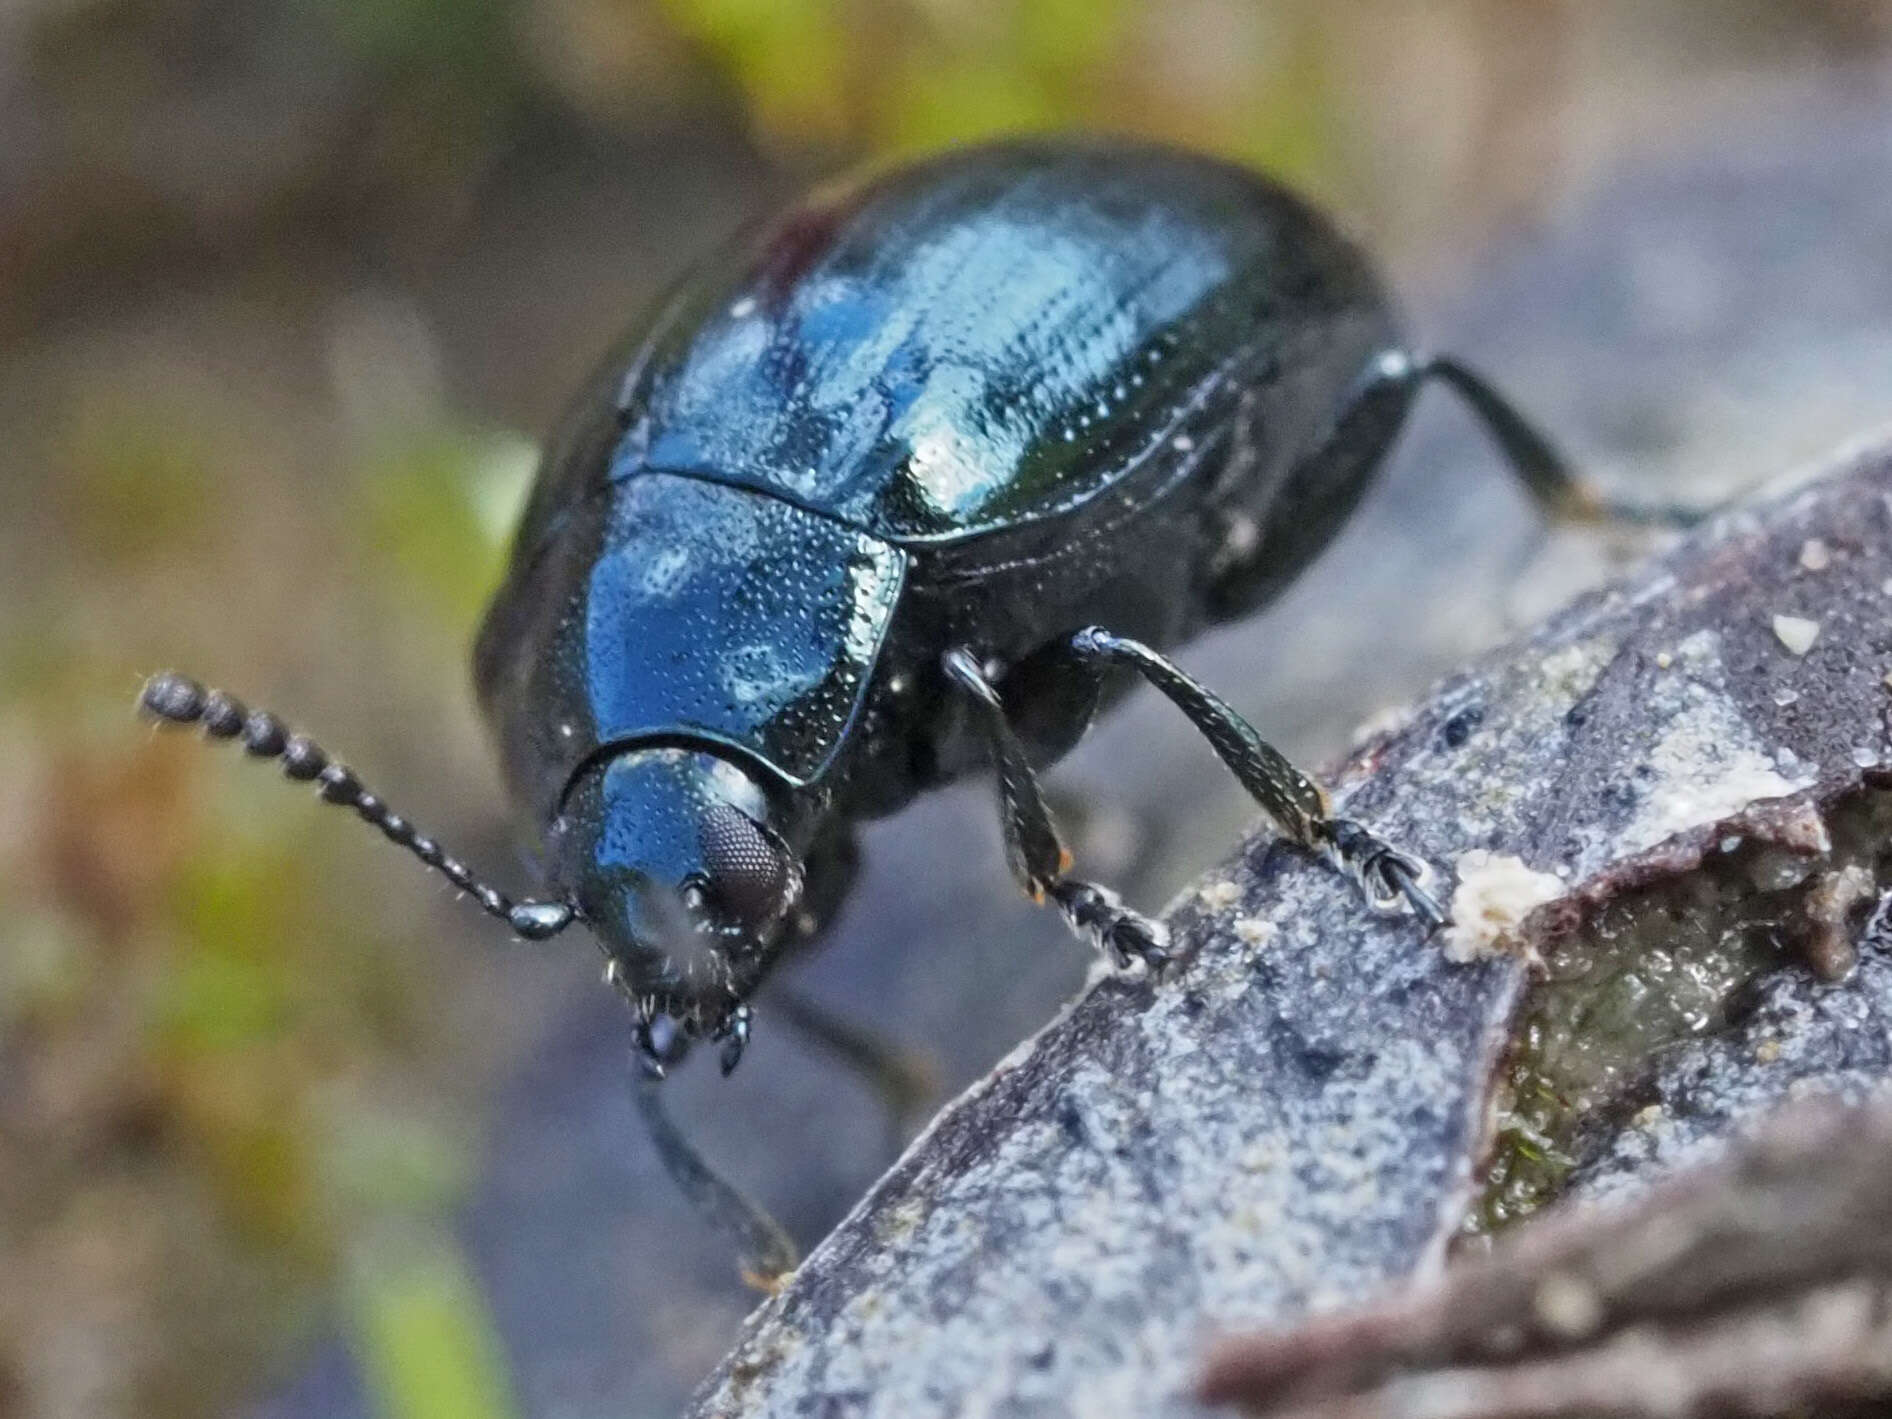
point(880, 497)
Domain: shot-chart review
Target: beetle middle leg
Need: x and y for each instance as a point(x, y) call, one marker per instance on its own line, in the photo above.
point(1037, 855)
point(904, 1079)
point(1392, 880)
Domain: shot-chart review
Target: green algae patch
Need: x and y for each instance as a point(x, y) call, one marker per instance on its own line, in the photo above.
point(1659, 964)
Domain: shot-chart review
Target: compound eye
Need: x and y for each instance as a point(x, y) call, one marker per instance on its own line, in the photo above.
point(752, 875)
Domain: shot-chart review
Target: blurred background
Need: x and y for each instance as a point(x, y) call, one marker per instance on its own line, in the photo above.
point(289, 288)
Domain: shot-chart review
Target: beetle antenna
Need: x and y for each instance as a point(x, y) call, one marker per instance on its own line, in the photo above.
point(171, 698)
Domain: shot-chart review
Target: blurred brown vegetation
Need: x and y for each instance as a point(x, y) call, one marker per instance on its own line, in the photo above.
point(287, 289)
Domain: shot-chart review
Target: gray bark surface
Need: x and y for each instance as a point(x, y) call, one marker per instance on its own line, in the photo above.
point(1756, 1286)
point(1300, 1116)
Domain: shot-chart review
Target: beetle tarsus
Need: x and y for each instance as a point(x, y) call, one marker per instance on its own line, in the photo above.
point(1392, 881)
point(1099, 916)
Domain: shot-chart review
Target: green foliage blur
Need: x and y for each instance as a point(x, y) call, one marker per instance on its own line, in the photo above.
point(895, 79)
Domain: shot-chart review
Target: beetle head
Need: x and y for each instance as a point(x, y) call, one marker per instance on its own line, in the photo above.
point(673, 860)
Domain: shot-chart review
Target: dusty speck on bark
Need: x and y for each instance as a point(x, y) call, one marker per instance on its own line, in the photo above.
point(1322, 1102)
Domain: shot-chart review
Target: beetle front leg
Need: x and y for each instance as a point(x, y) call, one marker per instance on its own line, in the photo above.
point(765, 1252)
point(1391, 880)
point(1036, 854)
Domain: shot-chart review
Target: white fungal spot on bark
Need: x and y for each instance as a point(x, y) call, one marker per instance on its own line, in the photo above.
point(1796, 633)
point(1254, 931)
point(1220, 893)
point(1495, 892)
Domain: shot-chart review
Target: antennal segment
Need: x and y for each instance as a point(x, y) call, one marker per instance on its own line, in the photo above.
point(175, 699)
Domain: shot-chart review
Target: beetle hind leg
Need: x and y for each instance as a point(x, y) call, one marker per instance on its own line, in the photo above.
point(1563, 494)
point(1037, 855)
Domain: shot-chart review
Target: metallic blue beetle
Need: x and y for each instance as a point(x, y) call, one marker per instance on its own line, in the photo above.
point(874, 501)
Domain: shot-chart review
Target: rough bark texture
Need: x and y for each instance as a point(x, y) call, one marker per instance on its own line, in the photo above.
point(1755, 1287)
point(1300, 1115)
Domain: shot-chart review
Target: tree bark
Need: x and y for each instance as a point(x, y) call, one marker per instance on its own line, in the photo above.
point(1306, 1111)
point(1758, 1286)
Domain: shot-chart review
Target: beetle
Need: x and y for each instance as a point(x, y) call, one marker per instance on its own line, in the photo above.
point(881, 496)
